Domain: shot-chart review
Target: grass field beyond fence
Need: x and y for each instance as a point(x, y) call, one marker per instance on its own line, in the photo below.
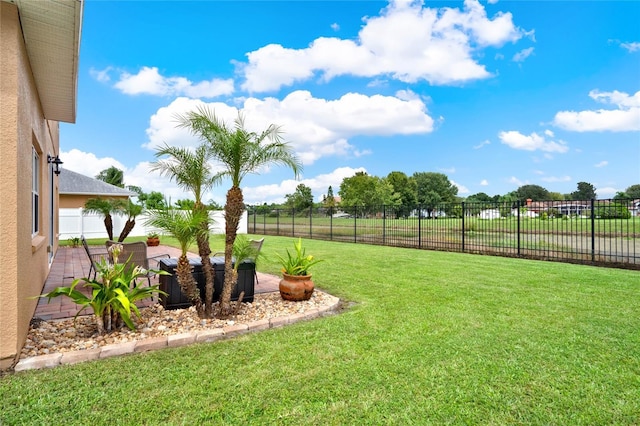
point(427, 337)
point(607, 233)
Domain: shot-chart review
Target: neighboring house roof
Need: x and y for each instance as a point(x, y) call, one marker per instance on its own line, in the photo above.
point(51, 31)
point(72, 183)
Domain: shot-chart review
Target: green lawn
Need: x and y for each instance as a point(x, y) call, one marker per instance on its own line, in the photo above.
point(426, 338)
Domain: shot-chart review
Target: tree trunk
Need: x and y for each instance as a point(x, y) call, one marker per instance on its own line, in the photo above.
point(127, 229)
point(108, 224)
point(204, 250)
point(233, 212)
point(188, 285)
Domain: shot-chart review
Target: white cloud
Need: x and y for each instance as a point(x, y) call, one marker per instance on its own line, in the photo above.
point(314, 127)
point(141, 175)
point(607, 192)
point(532, 142)
point(484, 182)
point(406, 41)
point(449, 170)
point(523, 54)
point(626, 118)
point(150, 82)
point(514, 180)
point(601, 164)
point(461, 188)
point(101, 75)
point(554, 179)
point(335, 26)
point(486, 142)
point(87, 163)
point(275, 193)
point(631, 47)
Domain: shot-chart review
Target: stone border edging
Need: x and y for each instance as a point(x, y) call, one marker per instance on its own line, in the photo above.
point(170, 341)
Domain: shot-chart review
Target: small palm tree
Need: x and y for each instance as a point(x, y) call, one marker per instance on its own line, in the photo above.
point(184, 226)
point(240, 152)
point(191, 171)
point(132, 210)
point(104, 207)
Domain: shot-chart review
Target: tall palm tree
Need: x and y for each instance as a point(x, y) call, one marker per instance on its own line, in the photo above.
point(190, 169)
point(184, 226)
point(239, 152)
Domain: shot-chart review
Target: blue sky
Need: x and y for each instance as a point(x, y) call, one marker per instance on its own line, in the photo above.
point(494, 94)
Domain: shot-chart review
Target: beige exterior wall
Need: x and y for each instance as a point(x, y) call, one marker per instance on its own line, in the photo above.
point(74, 201)
point(25, 260)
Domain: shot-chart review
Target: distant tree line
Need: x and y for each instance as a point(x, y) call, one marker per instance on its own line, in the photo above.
point(398, 190)
point(427, 189)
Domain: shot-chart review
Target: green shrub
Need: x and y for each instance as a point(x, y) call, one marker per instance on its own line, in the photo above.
point(612, 211)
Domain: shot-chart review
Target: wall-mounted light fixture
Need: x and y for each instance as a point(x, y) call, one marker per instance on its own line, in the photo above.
point(56, 161)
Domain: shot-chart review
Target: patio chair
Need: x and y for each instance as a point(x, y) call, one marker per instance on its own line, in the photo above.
point(257, 246)
point(139, 257)
point(94, 256)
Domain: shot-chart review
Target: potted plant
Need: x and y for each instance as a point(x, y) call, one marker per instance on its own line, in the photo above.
point(153, 239)
point(296, 281)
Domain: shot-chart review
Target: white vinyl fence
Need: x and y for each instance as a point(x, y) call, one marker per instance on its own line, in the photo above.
point(74, 224)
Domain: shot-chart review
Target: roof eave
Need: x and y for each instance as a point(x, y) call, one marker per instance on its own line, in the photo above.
point(52, 31)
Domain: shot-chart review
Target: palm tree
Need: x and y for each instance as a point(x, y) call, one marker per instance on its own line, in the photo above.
point(191, 171)
point(103, 207)
point(131, 210)
point(184, 226)
point(239, 152)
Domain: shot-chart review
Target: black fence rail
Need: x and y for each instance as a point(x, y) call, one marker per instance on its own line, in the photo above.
point(599, 232)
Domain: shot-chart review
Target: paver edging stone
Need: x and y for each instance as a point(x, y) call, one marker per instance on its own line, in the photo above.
point(115, 349)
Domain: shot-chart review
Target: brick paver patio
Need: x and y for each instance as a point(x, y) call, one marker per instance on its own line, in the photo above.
point(71, 263)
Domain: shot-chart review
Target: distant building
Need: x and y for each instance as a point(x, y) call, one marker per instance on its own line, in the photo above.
point(76, 189)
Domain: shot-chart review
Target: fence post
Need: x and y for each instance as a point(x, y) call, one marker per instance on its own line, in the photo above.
point(593, 232)
point(277, 221)
point(384, 225)
point(331, 223)
point(518, 207)
point(255, 212)
point(311, 222)
point(293, 221)
point(419, 226)
point(355, 224)
point(463, 233)
point(264, 222)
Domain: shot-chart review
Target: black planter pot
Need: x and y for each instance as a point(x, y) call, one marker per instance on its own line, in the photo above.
point(176, 300)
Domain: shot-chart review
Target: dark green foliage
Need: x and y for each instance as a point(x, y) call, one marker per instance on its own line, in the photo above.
point(112, 175)
point(301, 199)
point(633, 191)
point(585, 191)
point(612, 211)
point(532, 192)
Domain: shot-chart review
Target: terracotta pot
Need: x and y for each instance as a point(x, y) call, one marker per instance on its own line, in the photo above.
point(152, 242)
point(296, 287)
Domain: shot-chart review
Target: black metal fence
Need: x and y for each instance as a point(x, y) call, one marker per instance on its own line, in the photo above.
point(600, 232)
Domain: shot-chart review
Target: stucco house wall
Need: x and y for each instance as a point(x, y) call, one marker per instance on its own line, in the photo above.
point(25, 258)
point(33, 79)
